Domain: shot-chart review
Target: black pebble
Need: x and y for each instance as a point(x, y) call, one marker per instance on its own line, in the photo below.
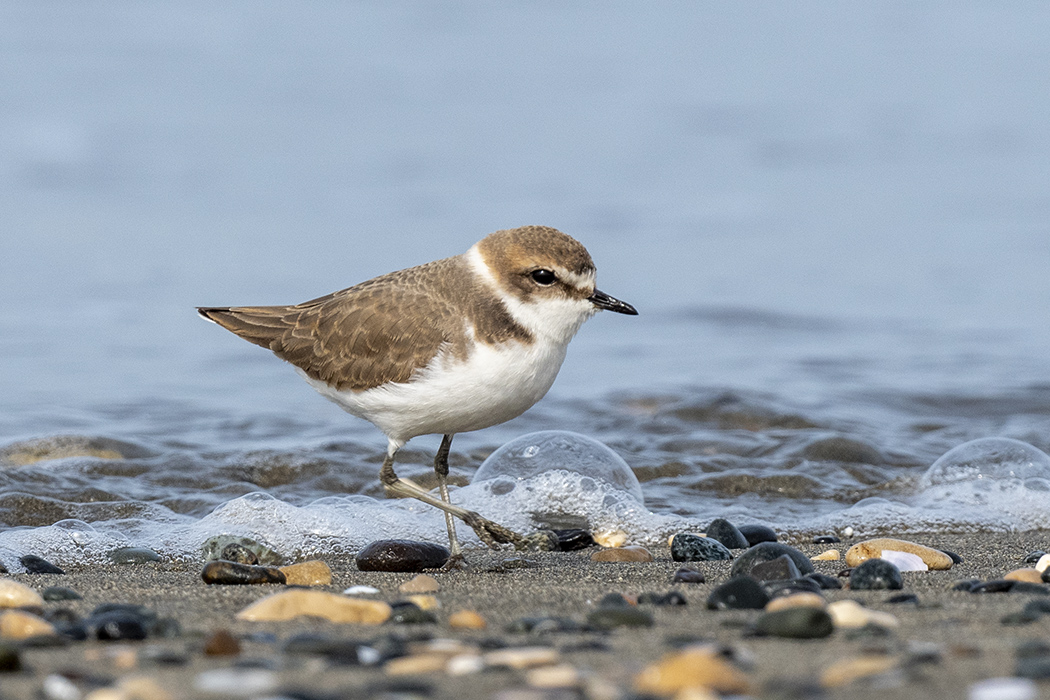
point(1037, 669)
point(1033, 557)
point(902, 598)
point(687, 575)
point(956, 559)
point(115, 626)
point(767, 551)
point(611, 618)
point(613, 600)
point(406, 613)
point(543, 625)
point(401, 555)
point(778, 589)
point(344, 652)
point(725, 532)
point(824, 581)
point(874, 575)
point(240, 554)
point(826, 539)
point(1021, 617)
point(672, 598)
point(780, 569)
point(36, 565)
point(758, 533)
point(1039, 606)
point(688, 547)
point(574, 539)
point(967, 585)
point(796, 623)
point(740, 593)
point(228, 573)
point(54, 593)
point(10, 661)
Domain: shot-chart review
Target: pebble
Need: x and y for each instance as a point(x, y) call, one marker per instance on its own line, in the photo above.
point(329, 606)
point(18, 595)
point(36, 565)
point(849, 614)
point(780, 569)
point(57, 593)
point(222, 643)
point(903, 598)
point(467, 619)
point(522, 658)
point(360, 590)
point(236, 682)
point(830, 555)
point(133, 555)
point(10, 659)
point(401, 555)
point(725, 532)
point(560, 676)
point(800, 622)
point(1043, 564)
point(758, 533)
point(846, 671)
point(18, 624)
point(872, 549)
point(825, 582)
point(408, 613)
point(115, 625)
point(1029, 575)
point(1009, 586)
point(423, 583)
point(838, 448)
point(874, 575)
point(230, 573)
point(573, 539)
point(424, 602)
point(611, 618)
point(698, 667)
point(416, 664)
point(1003, 689)
point(804, 599)
point(739, 593)
point(767, 551)
point(791, 586)
point(688, 575)
point(632, 553)
point(218, 547)
point(826, 539)
point(307, 573)
point(544, 625)
point(689, 547)
point(1033, 557)
point(671, 598)
point(610, 538)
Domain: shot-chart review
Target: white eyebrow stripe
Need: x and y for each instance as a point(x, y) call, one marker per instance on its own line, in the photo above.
point(580, 281)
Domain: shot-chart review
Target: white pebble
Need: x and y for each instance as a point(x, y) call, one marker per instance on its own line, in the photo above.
point(905, 561)
point(360, 590)
point(57, 687)
point(464, 665)
point(847, 532)
point(238, 682)
point(1004, 689)
point(1043, 563)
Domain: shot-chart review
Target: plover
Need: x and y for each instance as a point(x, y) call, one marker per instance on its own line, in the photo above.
point(447, 347)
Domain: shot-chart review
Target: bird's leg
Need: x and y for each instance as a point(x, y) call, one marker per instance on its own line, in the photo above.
point(441, 469)
point(492, 534)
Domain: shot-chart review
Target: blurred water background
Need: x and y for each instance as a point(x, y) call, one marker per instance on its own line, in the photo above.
point(833, 219)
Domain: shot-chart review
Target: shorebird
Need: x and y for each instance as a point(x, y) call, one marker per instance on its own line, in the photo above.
point(447, 347)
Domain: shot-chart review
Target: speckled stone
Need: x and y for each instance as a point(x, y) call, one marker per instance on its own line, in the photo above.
point(876, 574)
point(401, 555)
point(217, 548)
point(767, 551)
point(689, 547)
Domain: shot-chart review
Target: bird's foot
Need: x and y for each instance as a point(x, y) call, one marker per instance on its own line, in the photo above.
point(493, 534)
point(456, 562)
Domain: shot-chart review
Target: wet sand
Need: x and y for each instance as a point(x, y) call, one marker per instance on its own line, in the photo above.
point(965, 630)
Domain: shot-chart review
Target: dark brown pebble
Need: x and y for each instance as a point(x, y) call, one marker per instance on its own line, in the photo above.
point(222, 643)
point(401, 555)
point(230, 573)
point(687, 575)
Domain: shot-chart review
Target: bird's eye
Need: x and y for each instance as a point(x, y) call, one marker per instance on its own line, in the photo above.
point(544, 277)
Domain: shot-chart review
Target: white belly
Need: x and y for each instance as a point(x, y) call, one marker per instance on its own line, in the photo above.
point(492, 386)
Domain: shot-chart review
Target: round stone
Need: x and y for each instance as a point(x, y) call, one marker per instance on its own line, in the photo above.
point(229, 573)
point(401, 555)
point(758, 533)
point(18, 595)
point(767, 551)
point(876, 574)
point(551, 450)
point(631, 553)
point(687, 575)
point(725, 532)
point(37, 565)
point(612, 617)
point(780, 569)
point(133, 555)
point(57, 593)
point(871, 549)
point(740, 593)
point(800, 622)
point(689, 547)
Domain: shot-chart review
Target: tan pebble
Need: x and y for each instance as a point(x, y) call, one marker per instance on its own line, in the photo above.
point(560, 676)
point(522, 657)
point(420, 584)
point(329, 606)
point(846, 671)
point(307, 573)
point(125, 659)
point(107, 694)
point(693, 667)
point(18, 595)
point(425, 602)
point(143, 688)
point(416, 664)
point(849, 614)
point(467, 620)
point(696, 693)
point(796, 600)
point(1043, 564)
point(633, 553)
point(17, 624)
point(872, 549)
point(830, 555)
point(611, 538)
point(1030, 575)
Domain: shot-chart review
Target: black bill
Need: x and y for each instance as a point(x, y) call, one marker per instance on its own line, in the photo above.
point(604, 301)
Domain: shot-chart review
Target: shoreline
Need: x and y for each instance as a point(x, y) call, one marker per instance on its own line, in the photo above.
point(946, 642)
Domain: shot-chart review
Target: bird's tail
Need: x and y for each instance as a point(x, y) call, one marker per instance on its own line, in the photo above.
point(262, 325)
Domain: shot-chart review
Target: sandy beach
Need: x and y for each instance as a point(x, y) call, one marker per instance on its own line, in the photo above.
point(946, 642)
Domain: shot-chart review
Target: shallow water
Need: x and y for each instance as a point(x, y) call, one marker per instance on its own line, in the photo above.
point(833, 223)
